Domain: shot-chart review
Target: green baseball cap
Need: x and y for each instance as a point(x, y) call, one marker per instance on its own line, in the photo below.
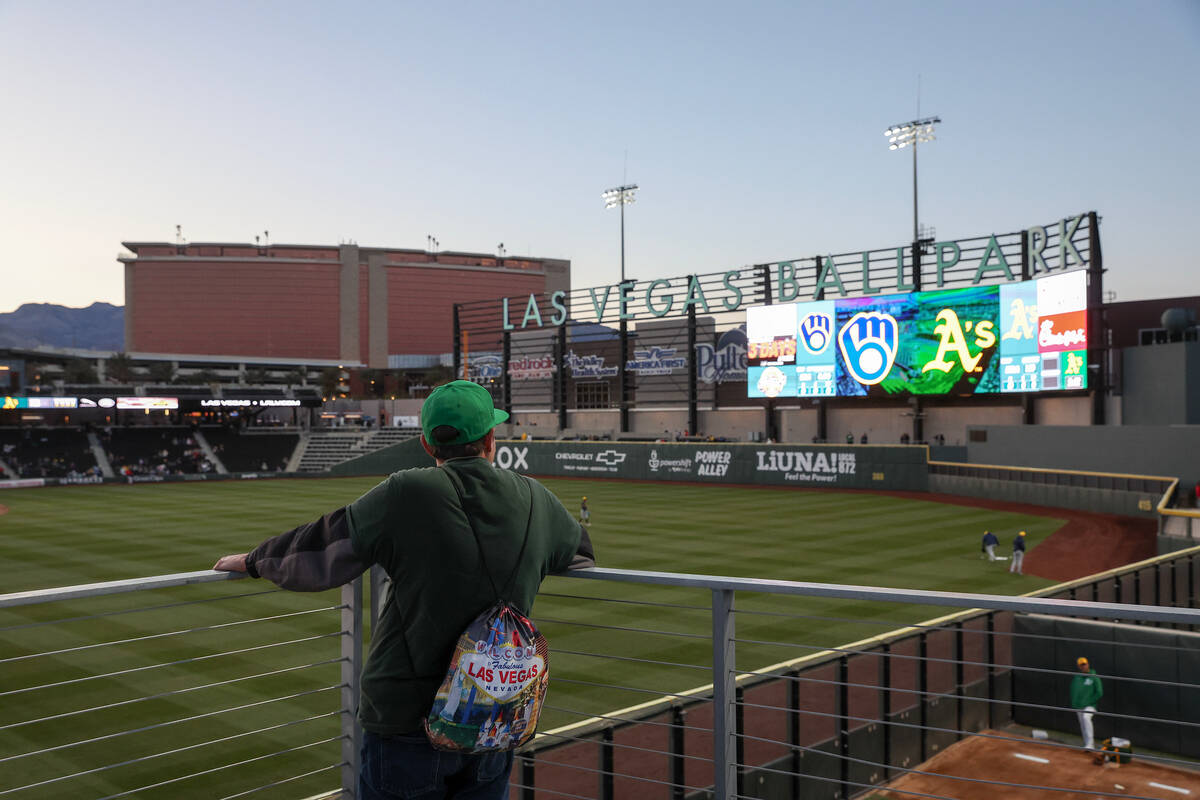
point(463, 405)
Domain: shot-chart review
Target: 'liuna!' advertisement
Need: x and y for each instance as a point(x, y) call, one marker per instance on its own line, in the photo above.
point(1021, 337)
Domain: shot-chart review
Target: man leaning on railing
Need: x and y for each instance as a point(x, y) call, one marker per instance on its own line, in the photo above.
point(415, 526)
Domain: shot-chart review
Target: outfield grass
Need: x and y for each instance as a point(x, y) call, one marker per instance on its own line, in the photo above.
point(59, 537)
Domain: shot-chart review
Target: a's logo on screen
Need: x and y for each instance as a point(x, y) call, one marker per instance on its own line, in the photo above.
point(868, 343)
point(816, 331)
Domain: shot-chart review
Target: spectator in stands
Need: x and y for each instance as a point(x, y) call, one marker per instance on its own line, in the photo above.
point(904, 438)
point(863, 438)
point(849, 437)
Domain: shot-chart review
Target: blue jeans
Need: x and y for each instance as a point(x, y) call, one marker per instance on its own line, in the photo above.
point(407, 767)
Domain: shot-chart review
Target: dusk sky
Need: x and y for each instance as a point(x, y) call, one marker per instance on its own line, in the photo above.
point(755, 130)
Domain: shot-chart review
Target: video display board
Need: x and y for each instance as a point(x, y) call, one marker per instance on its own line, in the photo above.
point(1017, 337)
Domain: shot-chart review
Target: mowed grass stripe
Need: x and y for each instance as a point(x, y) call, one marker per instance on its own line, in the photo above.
point(59, 537)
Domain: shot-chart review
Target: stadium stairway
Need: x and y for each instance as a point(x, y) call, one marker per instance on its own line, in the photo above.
point(326, 449)
point(7, 471)
point(209, 453)
point(100, 455)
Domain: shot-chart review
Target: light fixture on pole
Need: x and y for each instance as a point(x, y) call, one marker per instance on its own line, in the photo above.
point(620, 196)
point(910, 134)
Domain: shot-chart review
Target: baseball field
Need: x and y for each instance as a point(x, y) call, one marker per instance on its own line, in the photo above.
point(79, 681)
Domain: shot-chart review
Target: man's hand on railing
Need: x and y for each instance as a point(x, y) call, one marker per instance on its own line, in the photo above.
point(234, 563)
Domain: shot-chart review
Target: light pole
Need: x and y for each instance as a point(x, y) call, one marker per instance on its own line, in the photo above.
point(620, 196)
point(910, 134)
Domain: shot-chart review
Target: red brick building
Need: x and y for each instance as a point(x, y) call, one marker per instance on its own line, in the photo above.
point(352, 304)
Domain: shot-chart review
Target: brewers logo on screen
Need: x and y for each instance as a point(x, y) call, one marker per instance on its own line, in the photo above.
point(868, 343)
point(815, 332)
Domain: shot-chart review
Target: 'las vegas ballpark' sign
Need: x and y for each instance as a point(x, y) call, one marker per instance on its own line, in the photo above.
point(990, 259)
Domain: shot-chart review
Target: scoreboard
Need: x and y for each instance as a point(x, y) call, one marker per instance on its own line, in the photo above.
point(1019, 337)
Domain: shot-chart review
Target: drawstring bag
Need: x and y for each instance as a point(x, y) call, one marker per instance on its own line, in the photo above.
point(497, 678)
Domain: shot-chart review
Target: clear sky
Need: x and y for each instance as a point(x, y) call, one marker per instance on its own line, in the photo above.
point(754, 129)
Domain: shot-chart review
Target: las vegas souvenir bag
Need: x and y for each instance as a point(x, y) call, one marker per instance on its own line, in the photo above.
point(497, 677)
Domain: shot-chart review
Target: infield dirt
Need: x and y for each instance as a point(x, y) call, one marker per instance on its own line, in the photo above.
point(1066, 773)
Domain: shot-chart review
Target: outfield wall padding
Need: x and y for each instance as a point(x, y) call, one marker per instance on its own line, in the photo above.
point(1081, 498)
point(824, 466)
point(819, 466)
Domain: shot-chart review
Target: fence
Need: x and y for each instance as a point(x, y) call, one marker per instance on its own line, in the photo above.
point(826, 720)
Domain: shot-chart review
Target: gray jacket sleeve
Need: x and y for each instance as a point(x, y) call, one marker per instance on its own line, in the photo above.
point(310, 558)
point(585, 555)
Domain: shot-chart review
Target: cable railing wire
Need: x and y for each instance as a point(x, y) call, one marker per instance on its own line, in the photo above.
point(177, 663)
point(621, 628)
point(611, 718)
point(138, 610)
point(590, 740)
point(242, 763)
point(963, 734)
point(157, 725)
point(951, 694)
point(952, 628)
point(153, 636)
point(164, 753)
point(954, 661)
point(631, 659)
point(282, 781)
point(172, 693)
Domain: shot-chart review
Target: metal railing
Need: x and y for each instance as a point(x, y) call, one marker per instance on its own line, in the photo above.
point(843, 716)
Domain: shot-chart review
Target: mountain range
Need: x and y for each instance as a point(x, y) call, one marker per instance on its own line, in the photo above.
point(100, 326)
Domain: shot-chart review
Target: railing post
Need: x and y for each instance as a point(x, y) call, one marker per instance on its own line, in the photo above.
point(724, 685)
point(991, 668)
point(352, 648)
point(607, 765)
point(923, 690)
point(793, 726)
point(843, 732)
point(739, 715)
point(528, 777)
point(678, 773)
point(885, 705)
point(959, 677)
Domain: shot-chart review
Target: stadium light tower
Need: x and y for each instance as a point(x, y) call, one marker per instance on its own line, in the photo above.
point(620, 196)
point(910, 134)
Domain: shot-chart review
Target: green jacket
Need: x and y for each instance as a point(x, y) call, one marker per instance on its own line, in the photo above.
point(1086, 690)
point(414, 526)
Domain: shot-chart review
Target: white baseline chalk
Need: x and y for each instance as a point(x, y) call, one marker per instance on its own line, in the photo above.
point(1032, 758)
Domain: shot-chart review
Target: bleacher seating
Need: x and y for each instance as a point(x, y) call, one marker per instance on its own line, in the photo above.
point(257, 451)
point(327, 447)
point(47, 452)
point(156, 450)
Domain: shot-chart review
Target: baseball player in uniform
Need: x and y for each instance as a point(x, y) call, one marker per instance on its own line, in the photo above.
point(1018, 557)
point(584, 515)
point(1086, 691)
point(989, 545)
